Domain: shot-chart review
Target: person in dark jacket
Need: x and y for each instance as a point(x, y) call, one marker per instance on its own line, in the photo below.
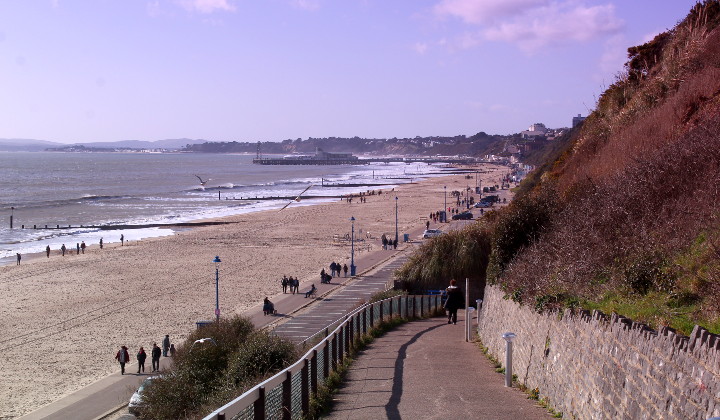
point(453, 302)
point(156, 352)
point(141, 356)
point(122, 357)
point(166, 345)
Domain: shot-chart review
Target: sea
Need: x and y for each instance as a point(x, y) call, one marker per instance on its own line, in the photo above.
point(80, 191)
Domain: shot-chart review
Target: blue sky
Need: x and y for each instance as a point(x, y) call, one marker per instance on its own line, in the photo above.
point(269, 70)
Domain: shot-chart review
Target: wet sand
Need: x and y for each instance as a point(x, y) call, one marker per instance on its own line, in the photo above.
point(63, 318)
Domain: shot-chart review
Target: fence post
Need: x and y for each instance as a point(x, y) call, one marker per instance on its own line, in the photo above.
point(305, 387)
point(422, 304)
point(381, 310)
point(391, 308)
point(287, 396)
point(259, 405)
point(313, 373)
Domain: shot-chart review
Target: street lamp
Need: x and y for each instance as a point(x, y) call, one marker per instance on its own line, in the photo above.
point(217, 288)
point(352, 247)
point(445, 208)
point(396, 219)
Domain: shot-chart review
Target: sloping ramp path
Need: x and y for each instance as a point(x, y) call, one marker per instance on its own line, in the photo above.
point(425, 370)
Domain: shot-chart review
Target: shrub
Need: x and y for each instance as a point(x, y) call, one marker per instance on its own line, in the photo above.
point(207, 375)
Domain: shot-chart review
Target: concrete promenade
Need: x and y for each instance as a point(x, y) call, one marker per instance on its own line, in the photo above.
point(297, 318)
point(425, 370)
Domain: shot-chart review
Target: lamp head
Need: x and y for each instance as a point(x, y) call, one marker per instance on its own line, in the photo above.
point(352, 218)
point(217, 261)
point(509, 337)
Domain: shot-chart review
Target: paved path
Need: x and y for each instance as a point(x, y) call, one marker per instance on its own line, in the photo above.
point(341, 301)
point(425, 370)
point(108, 393)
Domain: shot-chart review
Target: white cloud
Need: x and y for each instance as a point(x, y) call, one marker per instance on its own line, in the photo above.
point(207, 6)
point(420, 47)
point(306, 4)
point(531, 24)
point(481, 11)
point(557, 24)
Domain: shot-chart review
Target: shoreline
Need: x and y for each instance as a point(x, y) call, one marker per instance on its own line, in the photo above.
point(74, 312)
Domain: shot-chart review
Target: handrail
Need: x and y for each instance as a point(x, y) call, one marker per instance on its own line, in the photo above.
point(262, 400)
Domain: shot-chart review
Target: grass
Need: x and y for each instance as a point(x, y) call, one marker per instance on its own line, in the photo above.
point(656, 309)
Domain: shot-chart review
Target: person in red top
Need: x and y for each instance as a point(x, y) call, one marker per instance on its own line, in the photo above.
point(123, 357)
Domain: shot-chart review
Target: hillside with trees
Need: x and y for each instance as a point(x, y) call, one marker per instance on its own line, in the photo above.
point(477, 145)
point(623, 218)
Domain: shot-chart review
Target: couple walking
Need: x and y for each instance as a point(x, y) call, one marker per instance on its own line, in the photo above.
point(123, 356)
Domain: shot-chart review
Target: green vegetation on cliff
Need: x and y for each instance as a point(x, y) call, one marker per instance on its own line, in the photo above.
point(625, 218)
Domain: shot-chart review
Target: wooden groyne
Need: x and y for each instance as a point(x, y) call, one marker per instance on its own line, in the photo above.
point(122, 227)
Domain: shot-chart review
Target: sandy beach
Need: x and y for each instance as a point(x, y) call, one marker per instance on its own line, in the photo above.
point(63, 318)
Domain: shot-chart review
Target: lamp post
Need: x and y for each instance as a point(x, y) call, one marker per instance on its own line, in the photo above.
point(396, 219)
point(217, 288)
point(352, 247)
point(445, 208)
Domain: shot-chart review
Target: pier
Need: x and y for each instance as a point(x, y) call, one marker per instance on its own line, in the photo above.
point(365, 161)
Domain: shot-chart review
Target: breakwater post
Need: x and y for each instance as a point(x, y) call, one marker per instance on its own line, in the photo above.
point(12, 211)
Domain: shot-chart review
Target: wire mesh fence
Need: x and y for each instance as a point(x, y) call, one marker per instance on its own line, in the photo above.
point(286, 395)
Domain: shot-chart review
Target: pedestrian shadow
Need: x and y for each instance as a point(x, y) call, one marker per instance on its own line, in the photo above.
point(391, 408)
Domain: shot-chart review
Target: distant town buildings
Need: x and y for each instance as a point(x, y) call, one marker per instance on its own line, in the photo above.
point(577, 120)
point(538, 130)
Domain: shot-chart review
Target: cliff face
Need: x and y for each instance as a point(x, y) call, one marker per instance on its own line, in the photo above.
point(629, 213)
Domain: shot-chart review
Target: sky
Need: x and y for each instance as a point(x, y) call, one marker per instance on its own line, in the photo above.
point(268, 70)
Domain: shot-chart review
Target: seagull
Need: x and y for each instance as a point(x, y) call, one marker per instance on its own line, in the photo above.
point(201, 180)
point(203, 340)
point(297, 199)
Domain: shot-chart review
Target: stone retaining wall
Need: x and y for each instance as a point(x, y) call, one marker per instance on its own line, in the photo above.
point(591, 366)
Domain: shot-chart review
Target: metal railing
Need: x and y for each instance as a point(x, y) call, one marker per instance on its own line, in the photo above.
point(286, 395)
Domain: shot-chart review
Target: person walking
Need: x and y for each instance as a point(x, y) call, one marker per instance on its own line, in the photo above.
point(122, 240)
point(62, 248)
point(122, 357)
point(82, 246)
point(155, 354)
point(47, 251)
point(141, 356)
point(101, 243)
point(166, 345)
point(453, 302)
point(172, 350)
point(19, 257)
point(77, 246)
point(427, 225)
point(345, 269)
point(284, 283)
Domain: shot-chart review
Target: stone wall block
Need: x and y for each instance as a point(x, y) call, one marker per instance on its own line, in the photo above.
point(595, 366)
